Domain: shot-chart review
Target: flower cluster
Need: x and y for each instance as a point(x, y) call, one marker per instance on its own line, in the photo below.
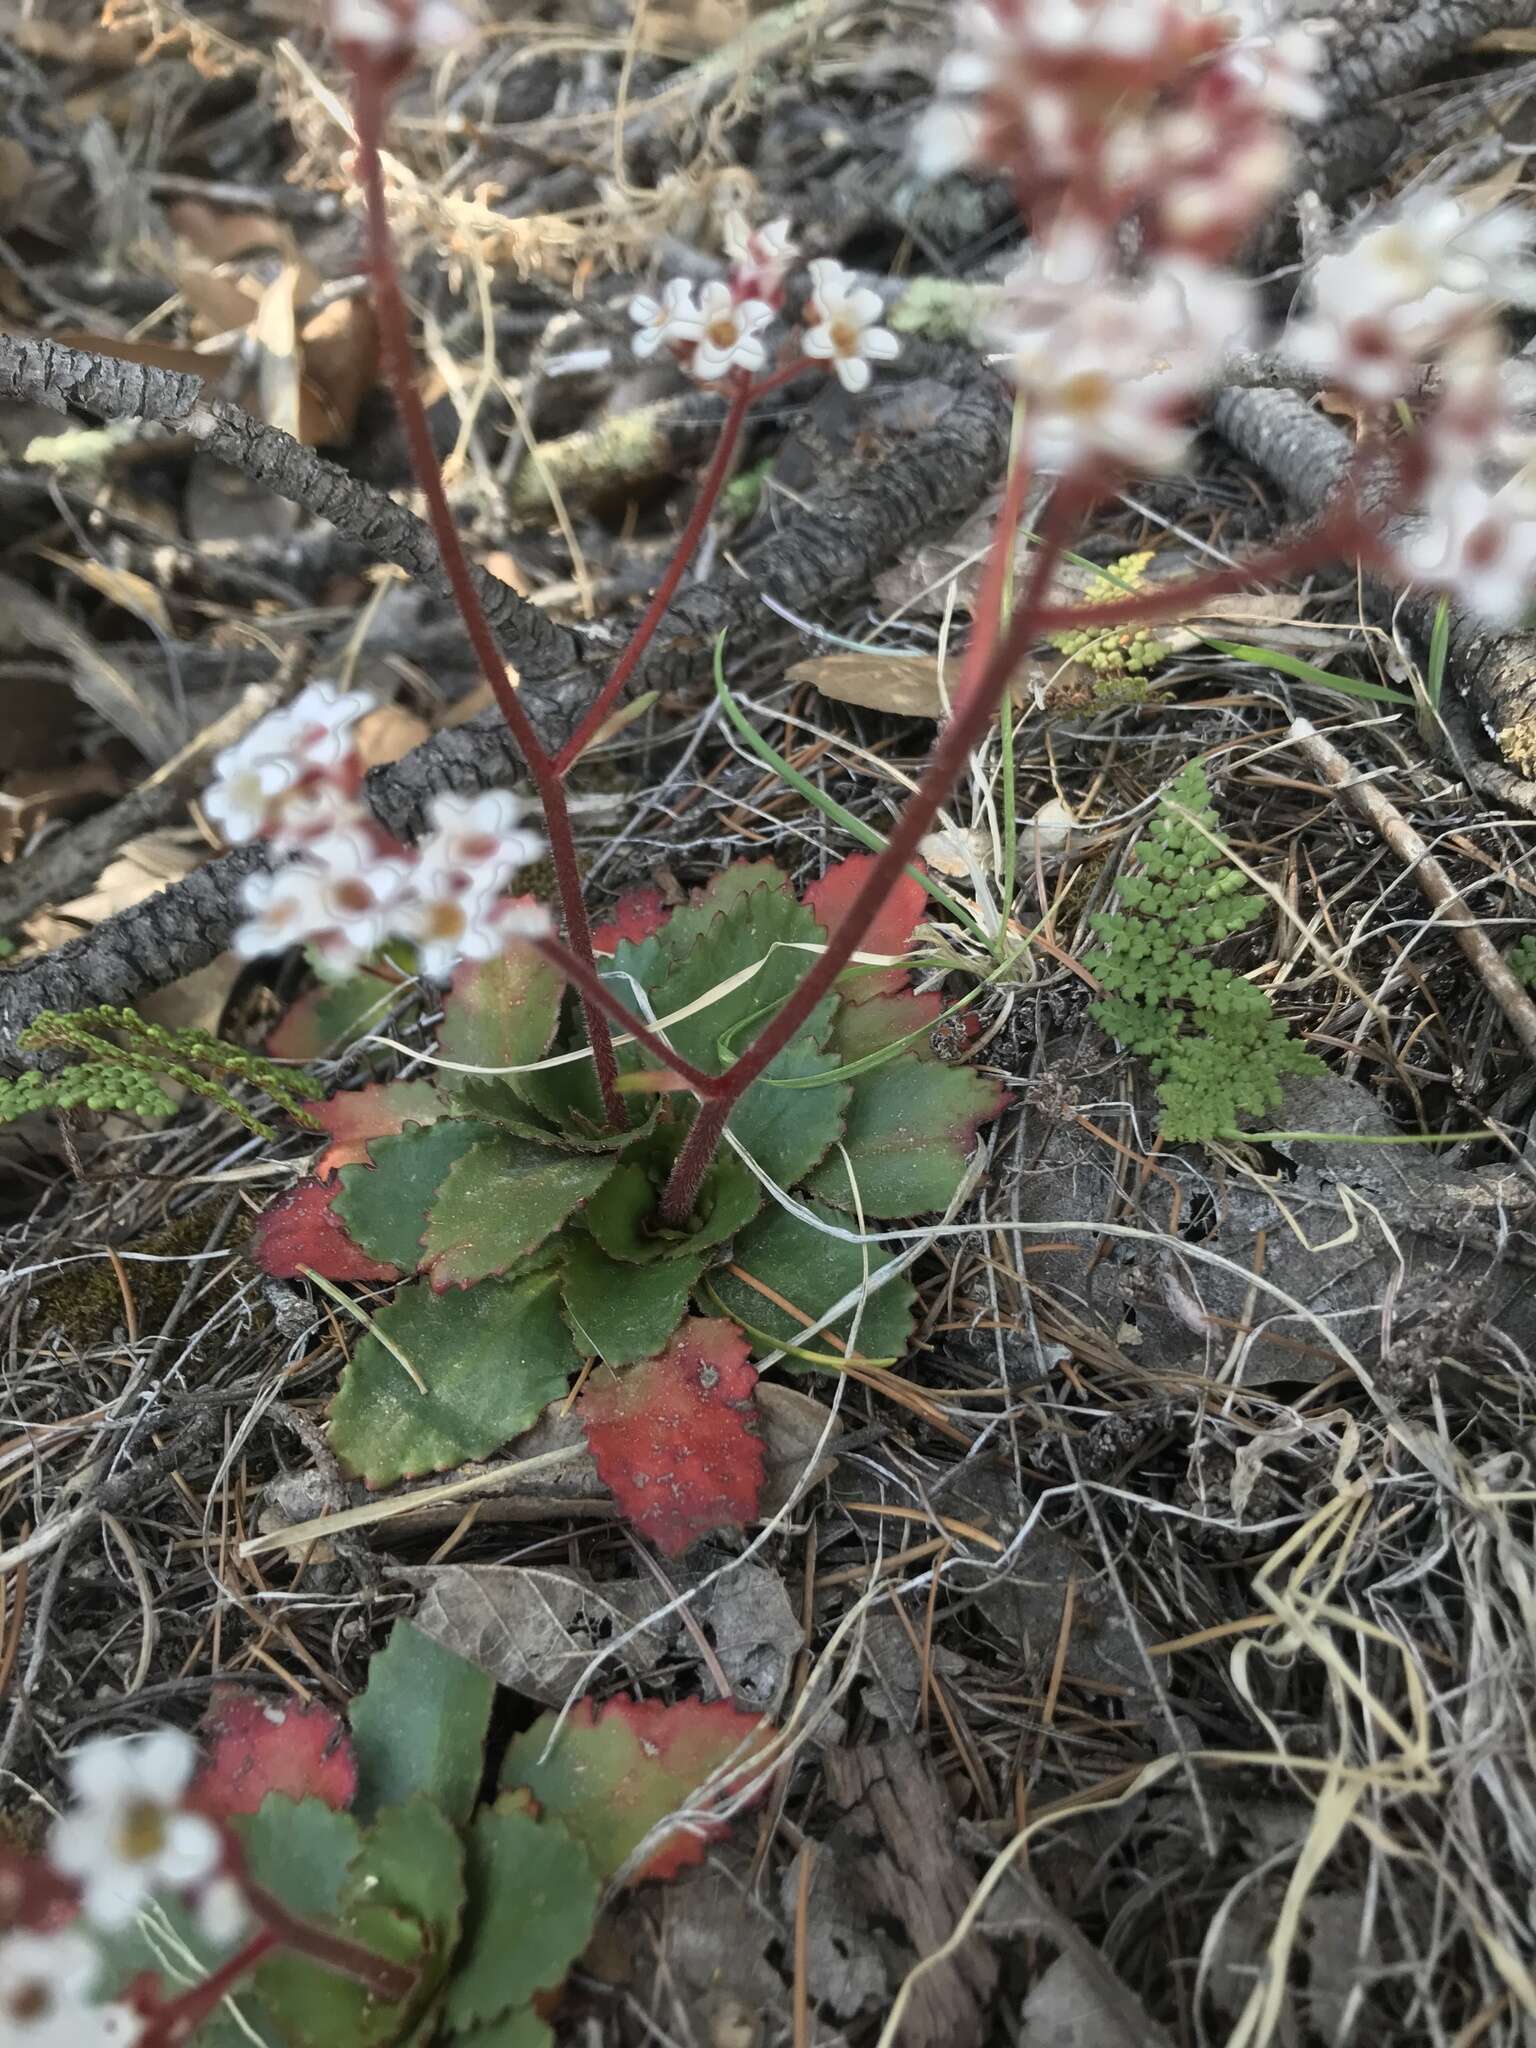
point(392, 32)
point(720, 333)
point(347, 886)
point(129, 1832)
point(1425, 287)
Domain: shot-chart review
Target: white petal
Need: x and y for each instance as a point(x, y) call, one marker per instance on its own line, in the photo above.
point(880, 345)
point(864, 305)
point(165, 1760)
point(192, 1850)
point(643, 310)
point(853, 373)
point(817, 343)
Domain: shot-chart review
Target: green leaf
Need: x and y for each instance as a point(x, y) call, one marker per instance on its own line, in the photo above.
point(166, 1940)
point(317, 2009)
point(810, 1270)
point(532, 1904)
point(615, 1774)
point(419, 1729)
point(515, 2030)
point(386, 1204)
point(491, 1357)
point(500, 1013)
point(912, 1128)
point(622, 1215)
point(624, 1312)
point(500, 1199)
point(330, 1017)
point(299, 1849)
point(787, 1130)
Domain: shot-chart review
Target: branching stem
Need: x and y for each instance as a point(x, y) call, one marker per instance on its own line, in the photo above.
point(370, 103)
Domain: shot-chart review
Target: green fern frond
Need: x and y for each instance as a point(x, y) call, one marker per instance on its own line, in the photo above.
point(127, 1056)
point(1218, 1050)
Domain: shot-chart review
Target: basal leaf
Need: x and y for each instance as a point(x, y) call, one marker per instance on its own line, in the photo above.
point(500, 1199)
point(615, 1774)
point(911, 1130)
point(357, 1116)
point(492, 1358)
point(676, 1438)
point(384, 1206)
point(832, 898)
point(315, 2008)
point(166, 1941)
point(500, 1013)
point(635, 916)
point(419, 1728)
point(882, 1020)
point(787, 1130)
point(302, 1230)
point(333, 1016)
point(624, 1312)
point(532, 1904)
point(779, 1260)
point(300, 1850)
point(623, 1215)
point(255, 1743)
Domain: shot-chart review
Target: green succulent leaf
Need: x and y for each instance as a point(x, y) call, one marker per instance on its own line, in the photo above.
point(419, 1731)
point(532, 1904)
point(624, 1312)
point(301, 1850)
point(383, 1207)
point(912, 1128)
point(798, 1264)
point(615, 1774)
point(622, 1216)
point(491, 1357)
point(499, 1200)
point(500, 1013)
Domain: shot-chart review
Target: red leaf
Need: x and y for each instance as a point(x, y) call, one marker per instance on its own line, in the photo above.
point(254, 1745)
point(676, 1439)
point(612, 1776)
point(635, 917)
point(831, 899)
point(300, 1230)
point(381, 1110)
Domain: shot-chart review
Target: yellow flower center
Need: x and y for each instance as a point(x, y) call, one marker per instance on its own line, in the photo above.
point(723, 333)
point(142, 1834)
point(1088, 392)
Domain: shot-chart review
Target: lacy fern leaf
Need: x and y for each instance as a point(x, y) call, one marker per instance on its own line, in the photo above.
point(1216, 1047)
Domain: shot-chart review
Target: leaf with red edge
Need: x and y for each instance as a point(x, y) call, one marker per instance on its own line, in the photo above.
point(331, 1016)
point(615, 1774)
point(635, 917)
point(676, 1439)
point(300, 1230)
point(254, 1745)
point(830, 901)
point(381, 1110)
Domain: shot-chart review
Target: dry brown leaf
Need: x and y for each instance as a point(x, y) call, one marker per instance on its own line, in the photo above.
point(142, 868)
point(274, 325)
point(389, 733)
point(104, 49)
point(154, 355)
point(129, 704)
point(906, 685)
point(135, 594)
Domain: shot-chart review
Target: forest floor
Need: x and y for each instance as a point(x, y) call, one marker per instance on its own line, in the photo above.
point(1160, 1632)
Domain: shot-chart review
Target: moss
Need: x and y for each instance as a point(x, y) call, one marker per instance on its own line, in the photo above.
point(84, 1303)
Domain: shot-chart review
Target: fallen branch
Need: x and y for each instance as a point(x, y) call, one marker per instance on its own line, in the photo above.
point(829, 547)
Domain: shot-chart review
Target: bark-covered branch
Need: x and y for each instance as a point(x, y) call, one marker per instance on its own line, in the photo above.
point(1306, 455)
point(831, 546)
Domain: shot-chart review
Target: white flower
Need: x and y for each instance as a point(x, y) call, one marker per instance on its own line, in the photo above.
point(319, 723)
point(671, 318)
point(843, 325)
point(398, 27)
point(222, 1912)
point(246, 797)
point(760, 257)
point(729, 339)
point(127, 1832)
point(1480, 545)
point(45, 1980)
point(361, 897)
point(1403, 290)
point(1109, 368)
point(286, 909)
point(482, 833)
point(314, 813)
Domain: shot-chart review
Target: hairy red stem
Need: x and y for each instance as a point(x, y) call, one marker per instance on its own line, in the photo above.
point(946, 764)
point(742, 395)
point(179, 2019)
point(590, 984)
point(994, 578)
point(370, 100)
